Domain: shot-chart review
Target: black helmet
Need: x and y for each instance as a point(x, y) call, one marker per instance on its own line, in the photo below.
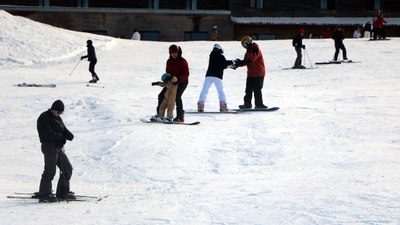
point(89, 42)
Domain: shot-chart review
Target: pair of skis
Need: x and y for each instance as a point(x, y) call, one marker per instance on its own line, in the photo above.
point(336, 62)
point(78, 198)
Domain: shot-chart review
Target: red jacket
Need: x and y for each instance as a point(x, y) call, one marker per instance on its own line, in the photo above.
point(254, 61)
point(378, 21)
point(179, 68)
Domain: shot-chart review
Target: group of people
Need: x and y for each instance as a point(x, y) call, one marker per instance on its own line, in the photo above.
point(53, 133)
point(298, 45)
point(175, 80)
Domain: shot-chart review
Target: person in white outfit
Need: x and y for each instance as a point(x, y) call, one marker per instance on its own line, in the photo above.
point(357, 33)
point(216, 65)
point(136, 35)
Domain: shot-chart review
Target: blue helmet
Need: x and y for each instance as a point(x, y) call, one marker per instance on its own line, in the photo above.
point(166, 77)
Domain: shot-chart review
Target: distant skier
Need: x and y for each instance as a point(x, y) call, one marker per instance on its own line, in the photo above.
point(298, 45)
point(216, 65)
point(53, 135)
point(379, 25)
point(338, 37)
point(178, 67)
point(254, 61)
point(169, 82)
point(91, 55)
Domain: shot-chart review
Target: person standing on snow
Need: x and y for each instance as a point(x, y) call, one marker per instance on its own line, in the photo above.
point(178, 67)
point(379, 25)
point(298, 45)
point(216, 65)
point(136, 35)
point(91, 55)
point(53, 135)
point(254, 61)
point(338, 37)
point(170, 84)
point(367, 30)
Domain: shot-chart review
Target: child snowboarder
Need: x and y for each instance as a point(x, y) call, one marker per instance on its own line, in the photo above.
point(91, 55)
point(170, 83)
point(216, 65)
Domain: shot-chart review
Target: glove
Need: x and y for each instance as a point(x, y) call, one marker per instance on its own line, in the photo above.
point(82, 57)
point(303, 47)
point(233, 65)
point(69, 136)
point(155, 83)
point(237, 61)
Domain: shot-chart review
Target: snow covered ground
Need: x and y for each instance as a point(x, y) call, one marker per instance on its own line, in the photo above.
point(330, 155)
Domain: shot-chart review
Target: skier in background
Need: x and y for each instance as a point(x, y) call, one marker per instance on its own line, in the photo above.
point(53, 135)
point(379, 25)
point(298, 45)
point(338, 37)
point(254, 61)
point(91, 55)
point(216, 65)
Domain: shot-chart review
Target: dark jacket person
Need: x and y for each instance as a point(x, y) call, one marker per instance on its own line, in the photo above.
point(53, 135)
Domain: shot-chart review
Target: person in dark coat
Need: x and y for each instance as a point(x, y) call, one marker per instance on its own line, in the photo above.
point(216, 65)
point(178, 67)
point(53, 135)
point(298, 45)
point(338, 37)
point(91, 55)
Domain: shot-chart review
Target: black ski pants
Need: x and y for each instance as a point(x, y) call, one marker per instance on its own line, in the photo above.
point(299, 57)
point(180, 113)
point(254, 84)
point(92, 64)
point(55, 157)
point(338, 46)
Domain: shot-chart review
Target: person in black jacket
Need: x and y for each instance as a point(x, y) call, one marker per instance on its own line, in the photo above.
point(298, 45)
point(91, 55)
point(53, 135)
point(338, 36)
point(216, 65)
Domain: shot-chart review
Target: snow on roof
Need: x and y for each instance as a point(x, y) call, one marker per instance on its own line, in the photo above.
point(310, 20)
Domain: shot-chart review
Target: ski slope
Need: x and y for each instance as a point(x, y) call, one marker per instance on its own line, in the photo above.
point(330, 155)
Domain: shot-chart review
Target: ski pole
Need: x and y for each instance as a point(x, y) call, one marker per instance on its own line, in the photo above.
point(308, 58)
point(74, 67)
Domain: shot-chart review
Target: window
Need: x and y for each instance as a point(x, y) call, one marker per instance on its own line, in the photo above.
point(263, 36)
point(154, 4)
point(374, 4)
point(258, 4)
point(196, 36)
point(150, 36)
point(328, 4)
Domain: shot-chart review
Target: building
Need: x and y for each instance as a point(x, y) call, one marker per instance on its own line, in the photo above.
point(185, 20)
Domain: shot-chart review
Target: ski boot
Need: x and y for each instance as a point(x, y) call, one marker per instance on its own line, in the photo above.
point(48, 198)
point(245, 106)
point(200, 106)
point(223, 107)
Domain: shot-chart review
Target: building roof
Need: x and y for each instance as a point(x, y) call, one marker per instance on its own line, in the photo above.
point(310, 20)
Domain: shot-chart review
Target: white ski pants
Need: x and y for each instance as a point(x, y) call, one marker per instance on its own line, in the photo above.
point(206, 86)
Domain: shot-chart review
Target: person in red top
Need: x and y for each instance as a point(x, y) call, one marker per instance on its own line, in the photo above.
point(178, 67)
point(378, 25)
point(254, 61)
